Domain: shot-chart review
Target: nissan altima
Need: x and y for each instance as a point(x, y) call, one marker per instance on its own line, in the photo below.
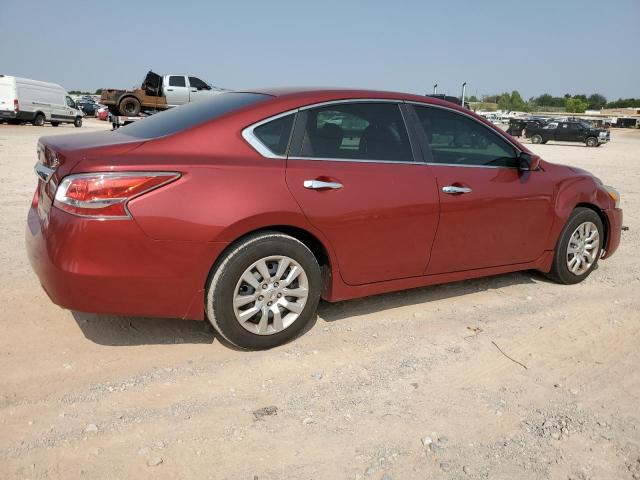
point(247, 208)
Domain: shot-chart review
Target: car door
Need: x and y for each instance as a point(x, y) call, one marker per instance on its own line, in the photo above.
point(177, 92)
point(564, 133)
point(491, 213)
point(352, 171)
point(199, 89)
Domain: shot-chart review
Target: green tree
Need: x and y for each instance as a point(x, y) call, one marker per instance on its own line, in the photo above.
point(472, 98)
point(576, 105)
point(597, 101)
point(98, 91)
point(516, 102)
point(625, 103)
point(504, 102)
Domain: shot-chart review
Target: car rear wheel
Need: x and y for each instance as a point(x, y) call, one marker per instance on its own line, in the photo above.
point(537, 139)
point(77, 122)
point(578, 248)
point(264, 291)
point(129, 106)
point(592, 142)
point(38, 120)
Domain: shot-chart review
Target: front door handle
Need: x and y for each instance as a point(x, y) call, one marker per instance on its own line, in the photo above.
point(320, 185)
point(451, 190)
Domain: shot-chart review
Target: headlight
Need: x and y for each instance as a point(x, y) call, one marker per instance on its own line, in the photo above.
point(613, 193)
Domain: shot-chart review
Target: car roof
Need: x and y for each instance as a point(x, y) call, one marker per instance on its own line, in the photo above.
point(320, 94)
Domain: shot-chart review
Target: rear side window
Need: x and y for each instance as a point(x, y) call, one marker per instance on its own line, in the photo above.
point(177, 81)
point(275, 134)
point(356, 131)
point(456, 139)
point(191, 114)
point(195, 82)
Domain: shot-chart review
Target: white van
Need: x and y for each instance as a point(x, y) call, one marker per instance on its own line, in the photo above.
point(24, 100)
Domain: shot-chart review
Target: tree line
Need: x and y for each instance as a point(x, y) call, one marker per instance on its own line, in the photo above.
point(571, 103)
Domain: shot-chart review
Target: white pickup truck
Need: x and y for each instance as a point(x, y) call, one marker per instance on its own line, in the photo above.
point(157, 93)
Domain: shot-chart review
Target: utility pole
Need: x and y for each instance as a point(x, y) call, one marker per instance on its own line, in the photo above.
point(435, 89)
point(464, 86)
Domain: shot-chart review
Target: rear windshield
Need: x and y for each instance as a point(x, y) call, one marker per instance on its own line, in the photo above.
point(190, 115)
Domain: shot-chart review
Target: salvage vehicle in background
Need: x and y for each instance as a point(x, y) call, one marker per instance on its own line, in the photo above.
point(568, 131)
point(26, 100)
point(157, 93)
point(247, 208)
point(517, 126)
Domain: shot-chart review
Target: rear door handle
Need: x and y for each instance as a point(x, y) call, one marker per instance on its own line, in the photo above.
point(451, 190)
point(320, 185)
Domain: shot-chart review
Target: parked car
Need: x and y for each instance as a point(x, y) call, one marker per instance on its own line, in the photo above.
point(157, 93)
point(26, 100)
point(247, 208)
point(89, 108)
point(569, 131)
point(103, 113)
point(517, 126)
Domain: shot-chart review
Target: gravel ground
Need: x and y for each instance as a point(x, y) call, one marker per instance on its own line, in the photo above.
point(398, 386)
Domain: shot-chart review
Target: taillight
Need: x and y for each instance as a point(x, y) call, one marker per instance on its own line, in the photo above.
point(16, 106)
point(105, 195)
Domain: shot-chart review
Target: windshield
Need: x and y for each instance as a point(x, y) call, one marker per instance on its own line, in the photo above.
point(191, 114)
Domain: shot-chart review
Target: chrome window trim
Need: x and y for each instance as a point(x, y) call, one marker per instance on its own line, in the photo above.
point(465, 165)
point(319, 159)
point(494, 130)
point(251, 138)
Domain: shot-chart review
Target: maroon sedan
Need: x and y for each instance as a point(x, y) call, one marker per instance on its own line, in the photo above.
point(248, 207)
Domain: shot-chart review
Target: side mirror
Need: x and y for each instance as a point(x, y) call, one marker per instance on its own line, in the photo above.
point(527, 161)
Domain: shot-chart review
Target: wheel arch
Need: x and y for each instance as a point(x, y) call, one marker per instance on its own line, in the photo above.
point(311, 240)
point(603, 219)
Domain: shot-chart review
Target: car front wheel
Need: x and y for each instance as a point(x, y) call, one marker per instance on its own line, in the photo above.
point(537, 139)
point(264, 291)
point(578, 248)
point(592, 142)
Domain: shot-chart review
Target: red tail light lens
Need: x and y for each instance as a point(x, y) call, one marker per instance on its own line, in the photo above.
point(105, 195)
point(16, 106)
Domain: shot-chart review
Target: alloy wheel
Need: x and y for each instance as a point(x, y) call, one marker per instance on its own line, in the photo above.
point(583, 248)
point(270, 295)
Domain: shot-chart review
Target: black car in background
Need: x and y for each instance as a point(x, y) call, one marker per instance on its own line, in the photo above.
point(568, 131)
point(89, 108)
point(517, 126)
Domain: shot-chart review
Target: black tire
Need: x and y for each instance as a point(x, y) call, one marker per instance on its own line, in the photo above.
point(559, 270)
point(591, 142)
point(55, 124)
point(129, 106)
point(38, 120)
point(77, 122)
point(536, 138)
point(230, 267)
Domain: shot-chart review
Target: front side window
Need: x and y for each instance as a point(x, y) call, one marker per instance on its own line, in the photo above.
point(275, 134)
point(195, 82)
point(356, 131)
point(175, 81)
point(457, 139)
point(70, 103)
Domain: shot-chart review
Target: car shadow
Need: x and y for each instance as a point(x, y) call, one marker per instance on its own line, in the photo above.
point(118, 331)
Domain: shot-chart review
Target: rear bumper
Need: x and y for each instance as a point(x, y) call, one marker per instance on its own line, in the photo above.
point(614, 220)
point(113, 267)
point(7, 115)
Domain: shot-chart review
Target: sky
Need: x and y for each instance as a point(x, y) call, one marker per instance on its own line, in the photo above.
point(535, 46)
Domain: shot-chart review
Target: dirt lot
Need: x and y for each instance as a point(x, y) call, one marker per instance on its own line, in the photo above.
point(407, 385)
